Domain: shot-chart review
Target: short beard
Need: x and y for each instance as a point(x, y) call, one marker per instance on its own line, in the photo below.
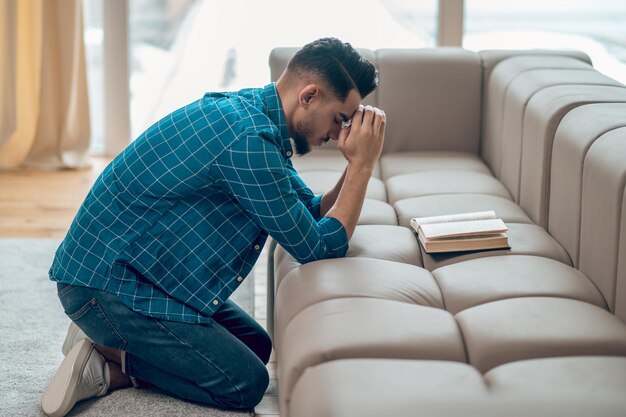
point(300, 140)
point(302, 146)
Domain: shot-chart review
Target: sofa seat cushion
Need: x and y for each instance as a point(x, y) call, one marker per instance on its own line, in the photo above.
point(399, 163)
point(353, 277)
point(409, 388)
point(322, 181)
point(391, 243)
point(377, 212)
point(479, 281)
point(442, 204)
point(424, 183)
point(524, 239)
point(537, 327)
point(365, 328)
point(323, 159)
point(388, 387)
point(575, 376)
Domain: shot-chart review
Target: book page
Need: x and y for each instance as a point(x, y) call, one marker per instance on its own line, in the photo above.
point(462, 244)
point(416, 222)
point(466, 228)
point(466, 238)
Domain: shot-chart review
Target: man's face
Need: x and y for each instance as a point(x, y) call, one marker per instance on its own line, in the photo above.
point(321, 121)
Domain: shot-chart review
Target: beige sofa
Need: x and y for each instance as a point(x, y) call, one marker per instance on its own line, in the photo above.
point(537, 136)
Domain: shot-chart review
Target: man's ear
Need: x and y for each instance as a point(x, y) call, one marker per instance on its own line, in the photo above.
point(308, 95)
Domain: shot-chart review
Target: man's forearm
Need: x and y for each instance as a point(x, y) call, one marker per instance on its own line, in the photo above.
point(330, 197)
point(349, 201)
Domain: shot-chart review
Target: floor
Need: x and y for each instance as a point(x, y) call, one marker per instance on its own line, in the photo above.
point(42, 204)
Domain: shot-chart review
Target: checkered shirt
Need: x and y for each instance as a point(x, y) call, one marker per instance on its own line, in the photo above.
point(176, 222)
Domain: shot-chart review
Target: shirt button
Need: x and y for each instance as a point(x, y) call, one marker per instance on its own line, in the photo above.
point(289, 153)
point(257, 247)
point(240, 278)
point(215, 302)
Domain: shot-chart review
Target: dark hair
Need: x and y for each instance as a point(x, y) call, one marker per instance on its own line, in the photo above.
point(338, 65)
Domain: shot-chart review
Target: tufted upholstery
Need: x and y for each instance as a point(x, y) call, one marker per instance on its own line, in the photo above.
point(537, 330)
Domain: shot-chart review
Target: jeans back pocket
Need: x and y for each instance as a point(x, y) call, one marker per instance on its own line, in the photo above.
point(92, 319)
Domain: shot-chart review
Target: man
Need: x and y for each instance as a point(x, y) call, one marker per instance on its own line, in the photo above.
point(174, 224)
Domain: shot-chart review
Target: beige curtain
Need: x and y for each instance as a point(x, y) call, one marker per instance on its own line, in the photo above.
point(43, 84)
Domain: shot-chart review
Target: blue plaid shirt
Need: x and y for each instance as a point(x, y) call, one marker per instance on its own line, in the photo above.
point(177, 220)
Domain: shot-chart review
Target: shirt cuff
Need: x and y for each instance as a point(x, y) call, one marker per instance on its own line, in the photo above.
point(315, 206)
point(335, 236)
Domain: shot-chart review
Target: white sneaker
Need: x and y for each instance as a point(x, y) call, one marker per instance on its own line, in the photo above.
point(74, 334)
point(83, 374)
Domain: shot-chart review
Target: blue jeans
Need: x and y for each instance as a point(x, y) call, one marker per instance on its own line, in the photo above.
point(221, 364)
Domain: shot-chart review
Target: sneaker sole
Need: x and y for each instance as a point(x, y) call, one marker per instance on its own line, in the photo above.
point(60, 395)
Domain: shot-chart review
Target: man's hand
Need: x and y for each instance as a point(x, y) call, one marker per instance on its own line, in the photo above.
point(362, 143)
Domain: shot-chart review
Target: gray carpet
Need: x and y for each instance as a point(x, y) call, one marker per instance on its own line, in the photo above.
point(32, 328)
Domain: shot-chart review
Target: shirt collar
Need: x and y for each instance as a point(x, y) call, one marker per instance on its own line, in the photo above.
point(276, 114)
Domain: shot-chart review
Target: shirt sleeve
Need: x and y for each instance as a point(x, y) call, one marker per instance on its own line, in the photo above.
point(311, 201)
point(254, 172)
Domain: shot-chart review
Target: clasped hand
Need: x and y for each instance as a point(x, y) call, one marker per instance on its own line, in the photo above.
point(362, 142)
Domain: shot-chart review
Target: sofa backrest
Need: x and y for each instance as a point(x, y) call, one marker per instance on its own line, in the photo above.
point(603, 216)
point(432, 97)
point(576, 133)
point(552, 136)
point(526, 98)
point(510, 64)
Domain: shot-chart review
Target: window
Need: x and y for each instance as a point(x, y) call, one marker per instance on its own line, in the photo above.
point(598, 28)
point(223, 48)
point(154, 29)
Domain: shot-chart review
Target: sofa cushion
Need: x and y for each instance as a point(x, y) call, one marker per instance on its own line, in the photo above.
point(496, 87)
point(383, 387)
point(604, 182)
point(524, 239)
point(431, 98)
point(479, 281)
point(391, 243)
point(543, 114)
point(575, 376)
point(537, 327)
point(325, 159)
point(493, 57)
point(620, 291)
point(321, 181)
point(377, 212)
point(519, 93)
point(353, 277)
point(575, 135)
point(365, 328)
point(406, 388)
point(442, 204)
point(418, 184)
point(398, 163)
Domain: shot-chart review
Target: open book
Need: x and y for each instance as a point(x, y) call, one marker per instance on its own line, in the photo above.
point(461, 232)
